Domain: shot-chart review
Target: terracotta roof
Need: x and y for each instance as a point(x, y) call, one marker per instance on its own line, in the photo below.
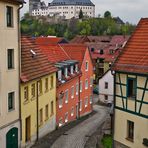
point(50, 40)
point(134, 57)
point(34, 63)
point(54, 53)
point(75, 51)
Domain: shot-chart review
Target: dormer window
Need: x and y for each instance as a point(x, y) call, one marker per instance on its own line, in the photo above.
point(66, 72)
point(59, 75)
point(71, 69)
point(76, 67)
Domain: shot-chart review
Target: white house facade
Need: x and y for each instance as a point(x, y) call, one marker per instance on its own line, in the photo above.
point(106, 89)
point(67, 8)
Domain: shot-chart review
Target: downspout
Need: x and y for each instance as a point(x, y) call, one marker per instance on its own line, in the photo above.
point(37, 111)
point(79, 98)
point(19, 66)
point(113, 115)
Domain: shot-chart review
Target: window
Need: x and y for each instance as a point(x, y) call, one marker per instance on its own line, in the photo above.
point(91, 81)
point(40, 86)
point(60, 122)
point(80, 106)
point(66, 96)
point(77, 88)
point(86, 66)
point(66, 72)
point(86, 102)
point(46, 111)
point(81, 86)
point(52, 108)
point(60, 101)
point(106, 97)
point(46, 84)
point(86, 84)
point(106, 85)
point(11, 101)
point(71, 69)
point(9, 15)
point(66, 117)
point(131, 88)
point(33, 90)
point(72, 92)
point(59, 75)
point(41, 116)
point(26, 93)
point(72, 111)
point(91, 99)
point(130, 130)
point(52, 82)
point(10, 58)
point(76, 67)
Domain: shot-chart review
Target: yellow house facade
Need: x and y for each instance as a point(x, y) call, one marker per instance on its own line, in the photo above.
point(131, 91)
point(38, 96)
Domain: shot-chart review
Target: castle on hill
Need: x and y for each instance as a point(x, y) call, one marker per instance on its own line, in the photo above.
point(66, 8)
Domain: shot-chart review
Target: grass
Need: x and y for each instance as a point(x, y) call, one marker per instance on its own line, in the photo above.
point(107, 141)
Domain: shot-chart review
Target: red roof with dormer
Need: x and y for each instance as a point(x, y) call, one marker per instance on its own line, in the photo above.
point(134, 57)
point(34, 64)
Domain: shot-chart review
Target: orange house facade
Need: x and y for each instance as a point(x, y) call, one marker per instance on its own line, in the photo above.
point(74, 80)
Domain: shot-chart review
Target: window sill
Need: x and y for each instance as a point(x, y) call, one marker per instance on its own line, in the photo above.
point(129, 139)
point(60, 106)
point(66, 102)
point(33, 98)
point(46, 119)
point(40, 124)
point(11, 110)
point(72, 97)
point(46, 90)
point(51, 114)
point(131, 98)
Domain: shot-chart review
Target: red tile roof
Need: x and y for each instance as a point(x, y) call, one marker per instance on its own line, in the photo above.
point(54, 53)
point(33, 67)
point(49, 40)
point(134, 57)
point(75, 51)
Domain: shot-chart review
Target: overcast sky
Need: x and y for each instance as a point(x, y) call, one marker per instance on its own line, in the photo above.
point(128, 10)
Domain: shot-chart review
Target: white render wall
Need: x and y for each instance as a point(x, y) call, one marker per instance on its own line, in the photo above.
point(68, 11)
point(9, 79)
point(108, 77)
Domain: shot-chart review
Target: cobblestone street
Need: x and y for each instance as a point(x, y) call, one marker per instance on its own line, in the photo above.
point(77, 136)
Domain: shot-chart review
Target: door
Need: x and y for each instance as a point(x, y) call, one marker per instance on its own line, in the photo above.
point(12, 138)
point(27, 128)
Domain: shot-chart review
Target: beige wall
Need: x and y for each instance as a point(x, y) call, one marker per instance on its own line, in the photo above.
point(121, 117)
point(9, 79)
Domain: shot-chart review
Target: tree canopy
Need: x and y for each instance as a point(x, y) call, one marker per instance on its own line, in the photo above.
point(69, 29)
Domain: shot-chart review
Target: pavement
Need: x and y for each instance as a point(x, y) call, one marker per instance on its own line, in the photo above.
point(78, 135)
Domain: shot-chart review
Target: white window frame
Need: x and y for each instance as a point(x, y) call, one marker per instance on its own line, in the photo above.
point(86, 65)
point(66, 99)
point(72, 92)
point(86, 84)
point(72, 111)
point(86, 102)
point(60, 122)
point(81, 86)
point(77, 88)
point(66, 117)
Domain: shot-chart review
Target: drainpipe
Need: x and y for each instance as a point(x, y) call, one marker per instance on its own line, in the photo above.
point(37, 111)
point(79, 95)
point(19, 66)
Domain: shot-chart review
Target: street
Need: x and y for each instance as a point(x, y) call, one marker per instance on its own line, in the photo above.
point(77, 136)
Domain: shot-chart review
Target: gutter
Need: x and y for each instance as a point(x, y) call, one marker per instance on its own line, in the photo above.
point(19, 65)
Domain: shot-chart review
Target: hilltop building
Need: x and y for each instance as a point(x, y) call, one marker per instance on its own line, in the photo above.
point(66, 8)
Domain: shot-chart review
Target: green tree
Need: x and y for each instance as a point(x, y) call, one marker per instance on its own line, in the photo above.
point(81, 14)
point(107, 14)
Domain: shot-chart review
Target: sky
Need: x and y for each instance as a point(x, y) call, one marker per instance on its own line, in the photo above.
point(128, 10)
